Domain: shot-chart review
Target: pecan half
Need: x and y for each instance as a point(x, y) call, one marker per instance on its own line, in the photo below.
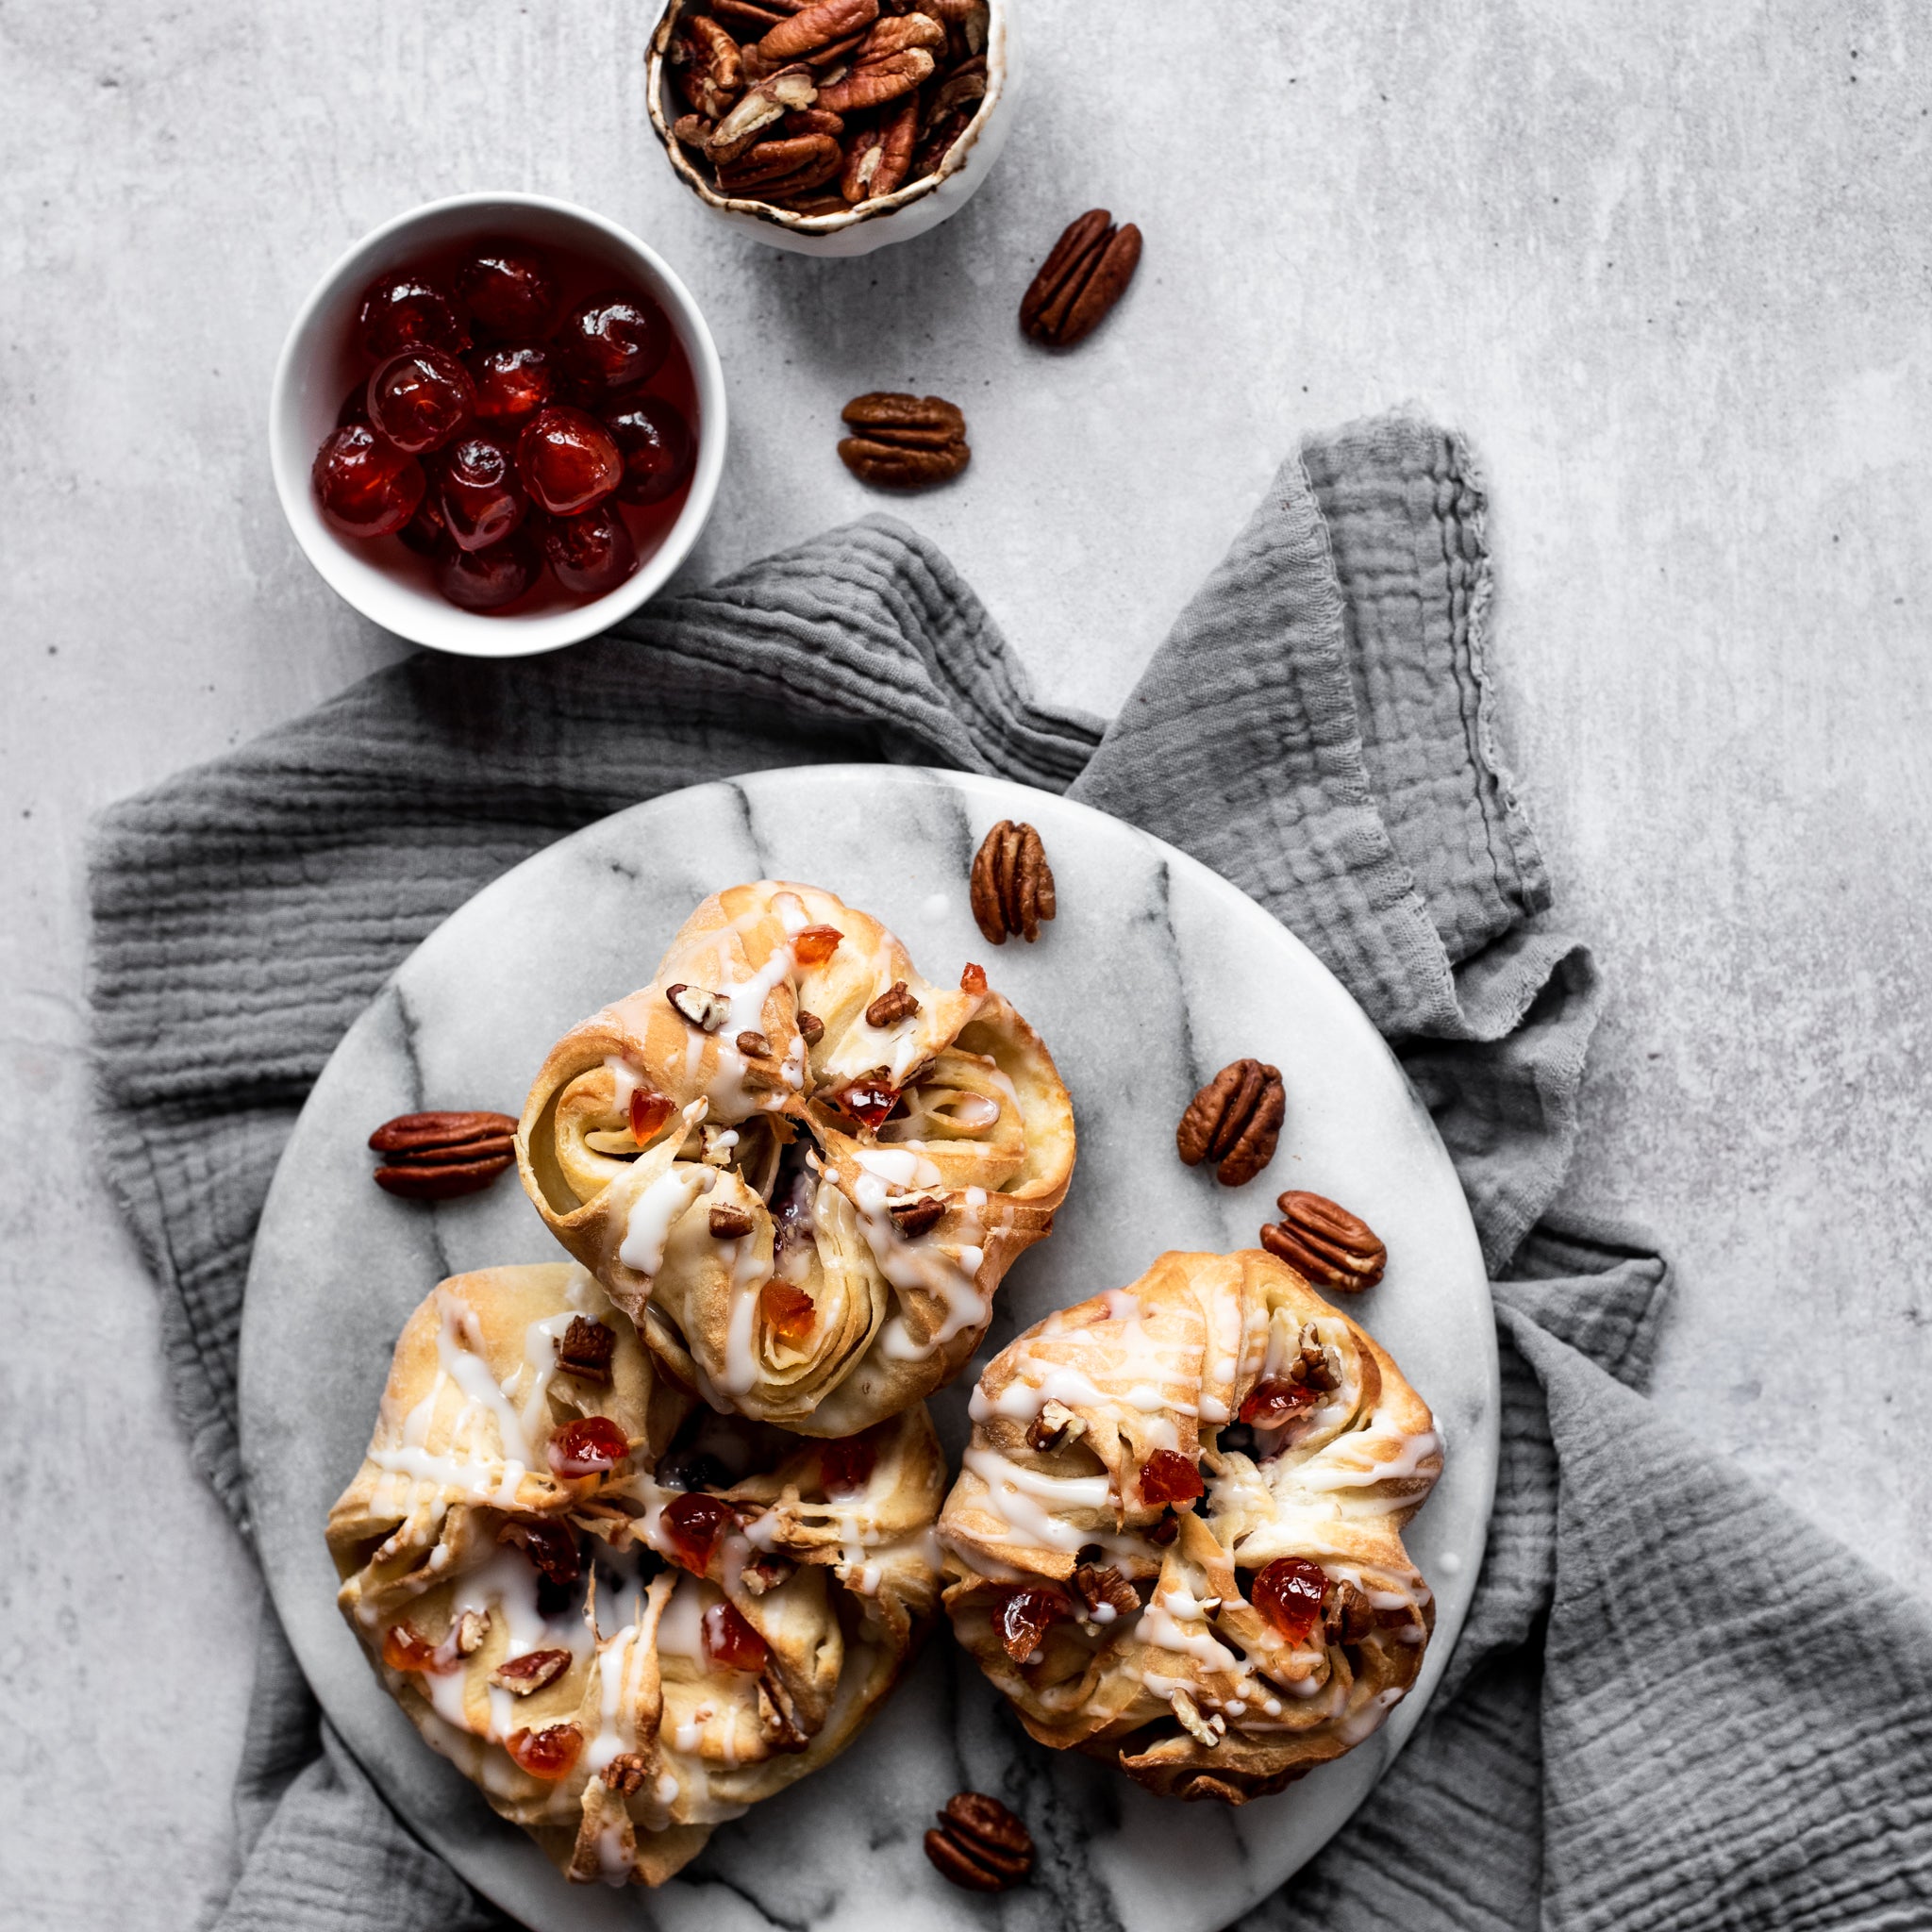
point(808, 30)
point(706, 1011)
point(904, 441)
point(1086, 274)
point(980, 1845)
point(898, 32)
point(893, 1005)
point(811, 1029)
point(1347, 1616)
point(938, 137)
point(729, 1223)
point(435, 1156)
point(966, 22)
point(773, 168)
point(584, 1350)
point(1234, 1122)
point(521, 1676)
point(1327, 1244)
point(873, 83)
point(1012, 884)
point(917, 1214)
point(1095, 1585)
point(878, 159)
point(625, 1774)
point(704, 58)
point(747, 17)
point(963, 87)
point(770, 100)
point(755, 1046)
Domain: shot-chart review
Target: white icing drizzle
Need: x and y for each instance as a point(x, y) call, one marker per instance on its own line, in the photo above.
point(923, 1265)
point(1020, 1498)
point(750, 1271)
point(658, 1210)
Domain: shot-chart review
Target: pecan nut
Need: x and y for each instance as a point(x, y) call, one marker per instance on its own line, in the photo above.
point(625, 1774)
point(1080, 282)
point(916, 1214)
point(585, 1349)
point(1234, 1122)
point(904, 441)
point(705, 1010)
point(1325, 1242)
point(729, 1223)
point(873, 83)
point(1011, 887)
point(811, 1029)
point(708, 67)
point(893, 1005)
point(980, 1845)
point(773, 97)
point(435, 1157)
point(1099, 1585)
point(805, 32)
point(878, 159)
point(772, 169)
point(521, 1676)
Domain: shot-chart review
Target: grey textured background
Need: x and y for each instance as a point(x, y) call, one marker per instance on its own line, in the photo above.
point(1668, 266)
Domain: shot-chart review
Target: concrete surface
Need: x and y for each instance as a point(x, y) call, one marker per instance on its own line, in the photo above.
point(1668, 265)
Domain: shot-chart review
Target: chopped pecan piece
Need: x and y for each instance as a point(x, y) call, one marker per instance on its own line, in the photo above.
point(1011, 888)
point(435, 1157)
point(585, 1349)
point(1080, 282)
point(472, 1627)
point(728, 1223)
point(1206, 1731)
point(521, 1676)
point(893, 1005)
point(1347, 1615)
point(1054, 1427)
point(980, 1845)
point(811, 1029)
point(766, 1571)
point(917, 1214)
point(625, 1774)
point(754, 1045)
point(1097, 1585)
point(706, 1011)
point(1234, 1123)
point(779, 1716)
point(1325, 1242)
point(904, 441)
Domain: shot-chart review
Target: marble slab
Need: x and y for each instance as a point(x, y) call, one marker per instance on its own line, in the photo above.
point(1155, 972)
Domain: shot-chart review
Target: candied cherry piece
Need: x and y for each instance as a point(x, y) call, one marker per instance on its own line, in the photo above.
point(1024, 1617)
point(591, 554)
point(568, 461)
point(1288, 1594)
point(587, 1446)
point(487, 580)
point(789, 1312)
point(1272, 1402)
point(868, 1100)
point(509, 290)
point(366, 485)
point(424, 531)
point(549, 1545)
point(512, 383)
point(547, 1754)
point(615, 340)
point(658, 453)
point(405, 1648)
point(420, 399)
point(847, 1464)
point(1168, 1477)
point(730, 1642)
point(648, 1112)
point(480, 497)
point(812, 946)
point(692, 1526)
point(404, 310)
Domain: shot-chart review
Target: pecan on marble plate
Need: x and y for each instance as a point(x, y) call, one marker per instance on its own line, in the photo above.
point(1080, 282)
point(1011, 888)
point(1234, 1122)
point(980, 1845)
point(435, 1157)
point(1325, 1242)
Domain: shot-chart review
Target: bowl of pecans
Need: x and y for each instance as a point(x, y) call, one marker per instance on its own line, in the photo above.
point(832, 126)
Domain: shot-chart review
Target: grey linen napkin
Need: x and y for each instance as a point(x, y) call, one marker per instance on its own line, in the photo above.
point(1675, 1704)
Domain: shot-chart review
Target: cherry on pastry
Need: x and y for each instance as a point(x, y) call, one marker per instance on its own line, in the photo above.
point(480, 498)
point(366, 485)
point(591, 554)
point(403, 310)
point(568, 461)
point(846, 1464)
point(692, 1528)
point(513, 382)
point(587, 1446)
point(487, 580)
point(420, 398)
point(657, 445)
point(730, 1642)
point(509, 291)
point(615, 340)
point(1288, 1594)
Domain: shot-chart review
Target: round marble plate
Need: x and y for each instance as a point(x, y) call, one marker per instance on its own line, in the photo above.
point(1155, 972)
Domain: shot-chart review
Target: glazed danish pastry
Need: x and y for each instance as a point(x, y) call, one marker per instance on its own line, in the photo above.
point(623, 1617)
point(1176, 1541)
point(800, 1167)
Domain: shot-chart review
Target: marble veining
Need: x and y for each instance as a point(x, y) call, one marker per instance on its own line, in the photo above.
point(1153, 973)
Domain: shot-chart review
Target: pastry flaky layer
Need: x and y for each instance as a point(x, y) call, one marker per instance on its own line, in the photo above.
point(799, 1166)
point(1176, 1540)
point(625, 1617)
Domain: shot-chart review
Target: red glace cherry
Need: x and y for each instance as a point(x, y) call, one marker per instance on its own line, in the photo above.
point(658, 451)
point(405, 1648)
point(511, 384)
point(546, 1754)
point(648, 1112)
point(812, 946)
point(591, 554)
point(847, 1464)
point(425, 530)
point(509, 290)
point(550, 1545)
point(1274, 1403)
point(615, 340)
point(1288, 1594)
point(367, 487)
point(568, 461)
point(420, 399)
point(481, 498)
point(730, 1642)
point(1168, 1477)
point(587, 1446)
point(403, 310)
point(868, 1101)
point(487, 580)
point(692, 1526)
point(1024, 1617)
point(788, 1311)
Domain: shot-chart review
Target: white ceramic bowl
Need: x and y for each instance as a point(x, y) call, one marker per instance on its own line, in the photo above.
point(319, 362)
point(914, 208)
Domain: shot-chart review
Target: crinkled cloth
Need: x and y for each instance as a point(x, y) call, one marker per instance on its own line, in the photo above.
point(1675, 1703)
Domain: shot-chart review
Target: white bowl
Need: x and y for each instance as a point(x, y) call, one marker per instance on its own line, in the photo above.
point(914, 208)
point(320, 361)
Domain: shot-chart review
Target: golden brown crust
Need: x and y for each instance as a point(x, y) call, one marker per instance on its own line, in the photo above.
point(622, 1654)
point(1279, 1617)
point(788, 1065)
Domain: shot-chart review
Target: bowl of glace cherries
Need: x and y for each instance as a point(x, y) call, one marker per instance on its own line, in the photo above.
point(497, 426)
